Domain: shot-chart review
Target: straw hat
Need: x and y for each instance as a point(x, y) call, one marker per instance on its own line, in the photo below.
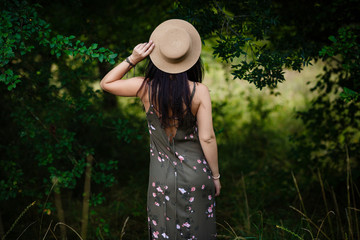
point(177, 46)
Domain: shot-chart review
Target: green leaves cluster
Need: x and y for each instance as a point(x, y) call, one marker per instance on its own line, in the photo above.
point(346, 47)
point(242, 31)
point(21, 30)
point(56, 116)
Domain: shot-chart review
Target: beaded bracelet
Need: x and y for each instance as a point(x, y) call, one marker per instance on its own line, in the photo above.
point(128, 61)
point(215, 178)
point(130, 65)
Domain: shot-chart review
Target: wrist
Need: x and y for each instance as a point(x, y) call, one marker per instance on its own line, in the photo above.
point(216, 177)
point(133, 60)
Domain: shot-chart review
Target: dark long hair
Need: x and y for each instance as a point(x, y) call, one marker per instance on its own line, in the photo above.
point(170, 93)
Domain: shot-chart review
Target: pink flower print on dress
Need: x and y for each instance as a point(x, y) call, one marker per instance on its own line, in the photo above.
point(167, 218)
point(194, 167)
point(159, 158)
point(182, 190)
point(210, 209)
point(148, 219)
point(199, 161)
point(181, 158)
point(149, 131)
point(159, 189)
point(152, 127)
point(167, 198)
point(164, 235)
point(193, 189)
point(176, 153)
point(154, 194)
point(204, 169)
point(204, 162)
point(156, 234)
point(153, 184)
point(191, 136)
point(177, 226)
point(157, 204)
point(166, 187)
point(154, 222)
point(151, 112)
point(175, 163)
point(185, 137)
point(191, 199)
point(209, 197)
point(186, 224)
point(203, 186)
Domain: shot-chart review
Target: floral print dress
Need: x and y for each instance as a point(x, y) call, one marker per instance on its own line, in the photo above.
point(180, 201)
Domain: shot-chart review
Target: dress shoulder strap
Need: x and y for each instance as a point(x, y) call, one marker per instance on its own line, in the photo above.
point(193, 92)
point(149, 86)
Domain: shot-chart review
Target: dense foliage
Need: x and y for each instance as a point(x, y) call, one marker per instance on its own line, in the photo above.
point(82, 155)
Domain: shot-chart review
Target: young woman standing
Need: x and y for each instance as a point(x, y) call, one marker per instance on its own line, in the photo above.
point(184, 175)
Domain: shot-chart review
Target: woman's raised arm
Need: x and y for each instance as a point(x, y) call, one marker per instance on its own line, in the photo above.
point(128, 87)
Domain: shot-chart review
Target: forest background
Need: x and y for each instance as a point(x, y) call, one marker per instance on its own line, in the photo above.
point(284, 81)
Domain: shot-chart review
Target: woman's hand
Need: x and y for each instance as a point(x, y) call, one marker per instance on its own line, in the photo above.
point(141, 51)
point(217, 187)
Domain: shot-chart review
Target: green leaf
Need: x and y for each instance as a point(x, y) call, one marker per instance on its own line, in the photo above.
point(102, 49)
point(333, 39)
point(93, 46)
point(349, 91)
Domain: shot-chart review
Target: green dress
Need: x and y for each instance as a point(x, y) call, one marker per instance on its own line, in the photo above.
point(180, 203)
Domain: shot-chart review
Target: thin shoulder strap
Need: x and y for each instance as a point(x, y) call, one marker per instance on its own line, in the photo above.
point(193, 92)
point(149, 94)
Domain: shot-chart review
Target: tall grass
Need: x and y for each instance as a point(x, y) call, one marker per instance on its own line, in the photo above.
point(17, 220)
point(315, 228)
point(347, 228)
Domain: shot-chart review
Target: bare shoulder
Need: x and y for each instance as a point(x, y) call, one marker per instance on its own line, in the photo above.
point(202, 92)
point(201, 87)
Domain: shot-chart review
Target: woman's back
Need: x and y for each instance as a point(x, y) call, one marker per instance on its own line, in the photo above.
point(180, 185)
point(189, 117)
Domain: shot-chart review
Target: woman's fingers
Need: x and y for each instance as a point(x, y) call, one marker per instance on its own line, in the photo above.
point(149, 49)
point(217, 192)
point(142, 50)
point(217, 187)
point(142, 45)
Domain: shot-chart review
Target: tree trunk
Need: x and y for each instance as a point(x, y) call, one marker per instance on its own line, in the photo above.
point(86, 196)
point(60, 212)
